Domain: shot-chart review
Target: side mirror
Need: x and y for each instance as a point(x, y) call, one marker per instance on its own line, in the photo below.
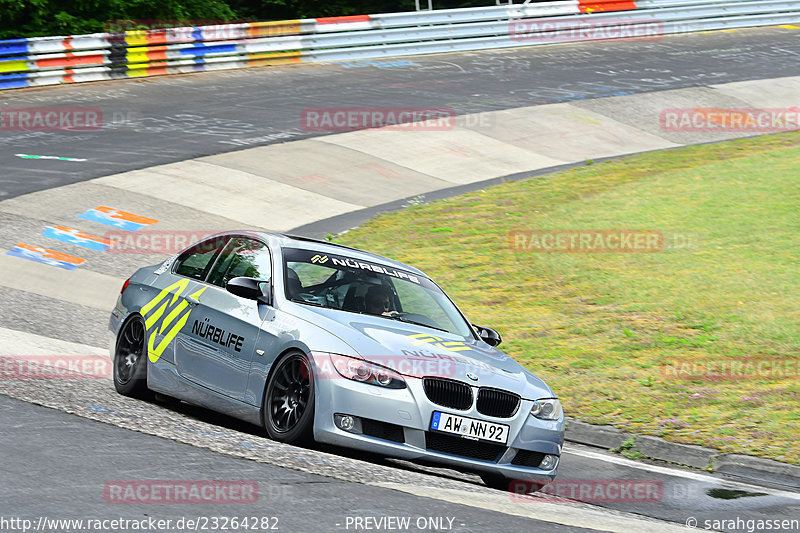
point(251, 288)
point(488, 335)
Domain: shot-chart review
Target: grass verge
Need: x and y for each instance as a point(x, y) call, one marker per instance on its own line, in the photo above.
point(697, 343)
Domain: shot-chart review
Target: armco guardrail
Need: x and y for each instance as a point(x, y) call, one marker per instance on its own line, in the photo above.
point(103, 56)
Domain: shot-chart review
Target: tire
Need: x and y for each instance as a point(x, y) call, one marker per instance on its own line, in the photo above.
point(499, 482)
point(130, 359)
point(288, 409)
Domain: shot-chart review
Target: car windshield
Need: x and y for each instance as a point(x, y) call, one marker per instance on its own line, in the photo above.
point(358, 286)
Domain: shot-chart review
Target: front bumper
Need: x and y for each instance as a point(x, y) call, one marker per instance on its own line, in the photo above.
point(397, 423)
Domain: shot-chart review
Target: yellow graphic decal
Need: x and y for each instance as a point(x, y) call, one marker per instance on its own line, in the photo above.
point(433, 340)
point(176, 289)
point(321, 259)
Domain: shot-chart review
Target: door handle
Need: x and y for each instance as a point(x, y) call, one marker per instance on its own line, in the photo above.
point(191, 300)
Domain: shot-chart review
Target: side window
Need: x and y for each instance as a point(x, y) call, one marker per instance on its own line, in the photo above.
point(194, 262)
point(241, 257)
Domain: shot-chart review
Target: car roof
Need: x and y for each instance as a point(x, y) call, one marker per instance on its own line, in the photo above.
point(318, 245)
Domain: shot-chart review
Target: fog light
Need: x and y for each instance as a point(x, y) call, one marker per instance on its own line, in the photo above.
point(549, 462)
point(349, 423)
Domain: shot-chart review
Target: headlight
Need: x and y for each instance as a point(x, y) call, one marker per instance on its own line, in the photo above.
point(366, 372)
point(547, 409)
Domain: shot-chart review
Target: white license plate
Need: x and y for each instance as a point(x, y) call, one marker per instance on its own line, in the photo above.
point(469, 427)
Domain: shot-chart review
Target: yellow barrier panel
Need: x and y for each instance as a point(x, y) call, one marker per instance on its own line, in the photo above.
point(267, 29)
point(14, 66)
point(283, 58)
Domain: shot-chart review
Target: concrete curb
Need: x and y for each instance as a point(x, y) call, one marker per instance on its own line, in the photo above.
point(753, 469)
point(758, 469)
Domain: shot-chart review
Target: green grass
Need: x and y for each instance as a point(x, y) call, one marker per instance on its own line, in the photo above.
point(601, 328)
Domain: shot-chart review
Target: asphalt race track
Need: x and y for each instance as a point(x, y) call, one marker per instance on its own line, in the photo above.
point(57, 464)
point(160, 120)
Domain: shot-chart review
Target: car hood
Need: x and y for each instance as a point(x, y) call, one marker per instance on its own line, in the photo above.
point(424, 352)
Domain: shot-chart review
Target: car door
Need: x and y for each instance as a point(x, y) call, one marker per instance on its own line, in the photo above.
point(169, 295)
point(218, 350)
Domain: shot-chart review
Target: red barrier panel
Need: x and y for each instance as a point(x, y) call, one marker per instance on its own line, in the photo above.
point(606, 5)
point(70, 60)
point(340, 20)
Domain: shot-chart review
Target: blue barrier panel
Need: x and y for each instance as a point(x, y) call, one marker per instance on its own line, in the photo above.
point(14, 46)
